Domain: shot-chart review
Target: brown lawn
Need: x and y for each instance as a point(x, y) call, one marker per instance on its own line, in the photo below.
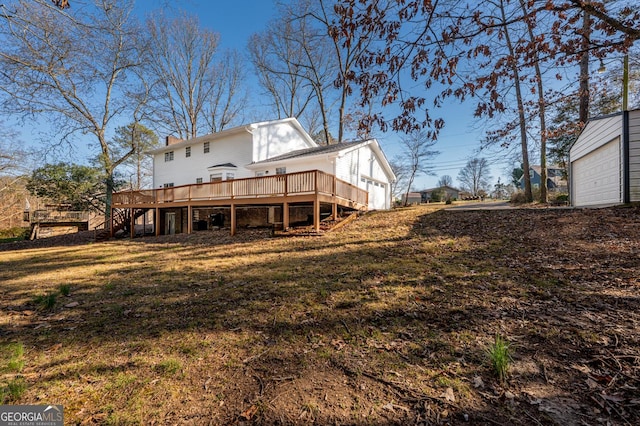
point(386, 321)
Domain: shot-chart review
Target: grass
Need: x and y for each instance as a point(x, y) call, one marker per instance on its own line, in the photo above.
point(500, 357)
point(394, 308)
point(65, 289)
point(12, 385)
point(46, 302)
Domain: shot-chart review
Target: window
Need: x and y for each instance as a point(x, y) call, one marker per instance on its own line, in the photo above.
point(187, 151)
point(215, 177)
point(230, 176)
point(168, 185)
point(206, 147)
point(199, 180)
point(532, 174)
point(281, 170)
point(168, 156)
point(259, 174)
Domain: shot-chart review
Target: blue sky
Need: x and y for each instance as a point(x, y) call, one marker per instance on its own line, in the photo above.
point(237, 20)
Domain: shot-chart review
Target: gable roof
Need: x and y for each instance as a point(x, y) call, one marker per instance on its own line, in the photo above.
point(335, 148)
point(246, 128)
point(227, 165)
point(445, 187)
point(308, 152)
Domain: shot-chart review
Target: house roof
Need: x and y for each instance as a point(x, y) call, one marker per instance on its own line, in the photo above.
point(307, 152)
point(223, 165)
point(246, 128)
point(451, 188)
point(329, 149)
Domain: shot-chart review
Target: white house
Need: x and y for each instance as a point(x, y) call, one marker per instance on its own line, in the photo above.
point(605, 161)
point(272, 148)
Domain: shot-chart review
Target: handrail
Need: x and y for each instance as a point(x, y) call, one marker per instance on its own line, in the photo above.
point(307, 182)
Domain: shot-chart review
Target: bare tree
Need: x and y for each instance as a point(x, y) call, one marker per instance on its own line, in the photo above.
point(181, 62)
point(417, 151)
point(278, 59)
point(79, 73)
point(474, 176)
point(445, 180)
point(227, 101)
point(401, 169)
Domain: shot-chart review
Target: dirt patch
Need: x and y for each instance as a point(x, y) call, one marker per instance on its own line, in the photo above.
point(385, 321)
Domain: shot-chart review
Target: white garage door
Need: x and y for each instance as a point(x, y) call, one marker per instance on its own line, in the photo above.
point(377, 195)
point(597, 176)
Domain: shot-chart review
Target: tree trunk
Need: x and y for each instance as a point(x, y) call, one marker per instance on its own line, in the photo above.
point(108, 199)
point(541, 111)
point(521, 116)
point(584, 70)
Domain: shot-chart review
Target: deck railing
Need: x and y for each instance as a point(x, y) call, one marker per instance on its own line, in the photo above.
point(58, 216)
point(308, 182)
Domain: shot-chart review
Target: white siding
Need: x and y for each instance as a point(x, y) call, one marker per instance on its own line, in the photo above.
point(274, 139)
point(596, 163)
point(235, 149)
point(595, 134)
point(634, 155)
point(297, 165)
point(361, 167)
point(597, 177)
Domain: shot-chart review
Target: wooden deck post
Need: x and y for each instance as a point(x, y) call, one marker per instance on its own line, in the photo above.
point(233, 219)
point(189, 218)
point(111, 233)
point(334, 210)
point(132, 223)
point(285, 216)
point(316, 215)
point(156, 222)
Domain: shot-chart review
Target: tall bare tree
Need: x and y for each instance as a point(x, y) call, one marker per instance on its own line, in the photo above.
point(445, 180)
point(280, 61)
point(181, 63)
point(79, 73)
point(474, 176)
point(227, 101)
point(417, 151)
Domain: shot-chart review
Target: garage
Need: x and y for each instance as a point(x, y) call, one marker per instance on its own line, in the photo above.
point(378, 198)
point(597, 176)
point(605, 161)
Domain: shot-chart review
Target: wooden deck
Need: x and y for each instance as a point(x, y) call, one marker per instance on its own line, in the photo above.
point(303, 187)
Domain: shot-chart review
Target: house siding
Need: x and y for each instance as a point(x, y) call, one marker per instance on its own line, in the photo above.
point(596, 169)
point(634, 155)
point(274, 139)
point(358, 164)
point(185, 170)
point(596, 134)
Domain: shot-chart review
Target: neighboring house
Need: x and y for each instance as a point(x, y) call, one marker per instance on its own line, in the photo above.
point(555, 178)
point(605, 161)
point(411, 198)
point(445, 193)
point(272, 148)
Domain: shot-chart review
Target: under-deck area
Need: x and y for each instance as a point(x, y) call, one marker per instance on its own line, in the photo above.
point(280, 201)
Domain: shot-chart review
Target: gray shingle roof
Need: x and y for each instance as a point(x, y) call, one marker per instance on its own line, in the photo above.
point(223, 165)
point(311, 151)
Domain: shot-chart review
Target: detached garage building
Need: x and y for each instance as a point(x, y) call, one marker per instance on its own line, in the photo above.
point(605, 161)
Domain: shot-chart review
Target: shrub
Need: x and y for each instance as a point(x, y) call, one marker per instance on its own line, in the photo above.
point(14, 234)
